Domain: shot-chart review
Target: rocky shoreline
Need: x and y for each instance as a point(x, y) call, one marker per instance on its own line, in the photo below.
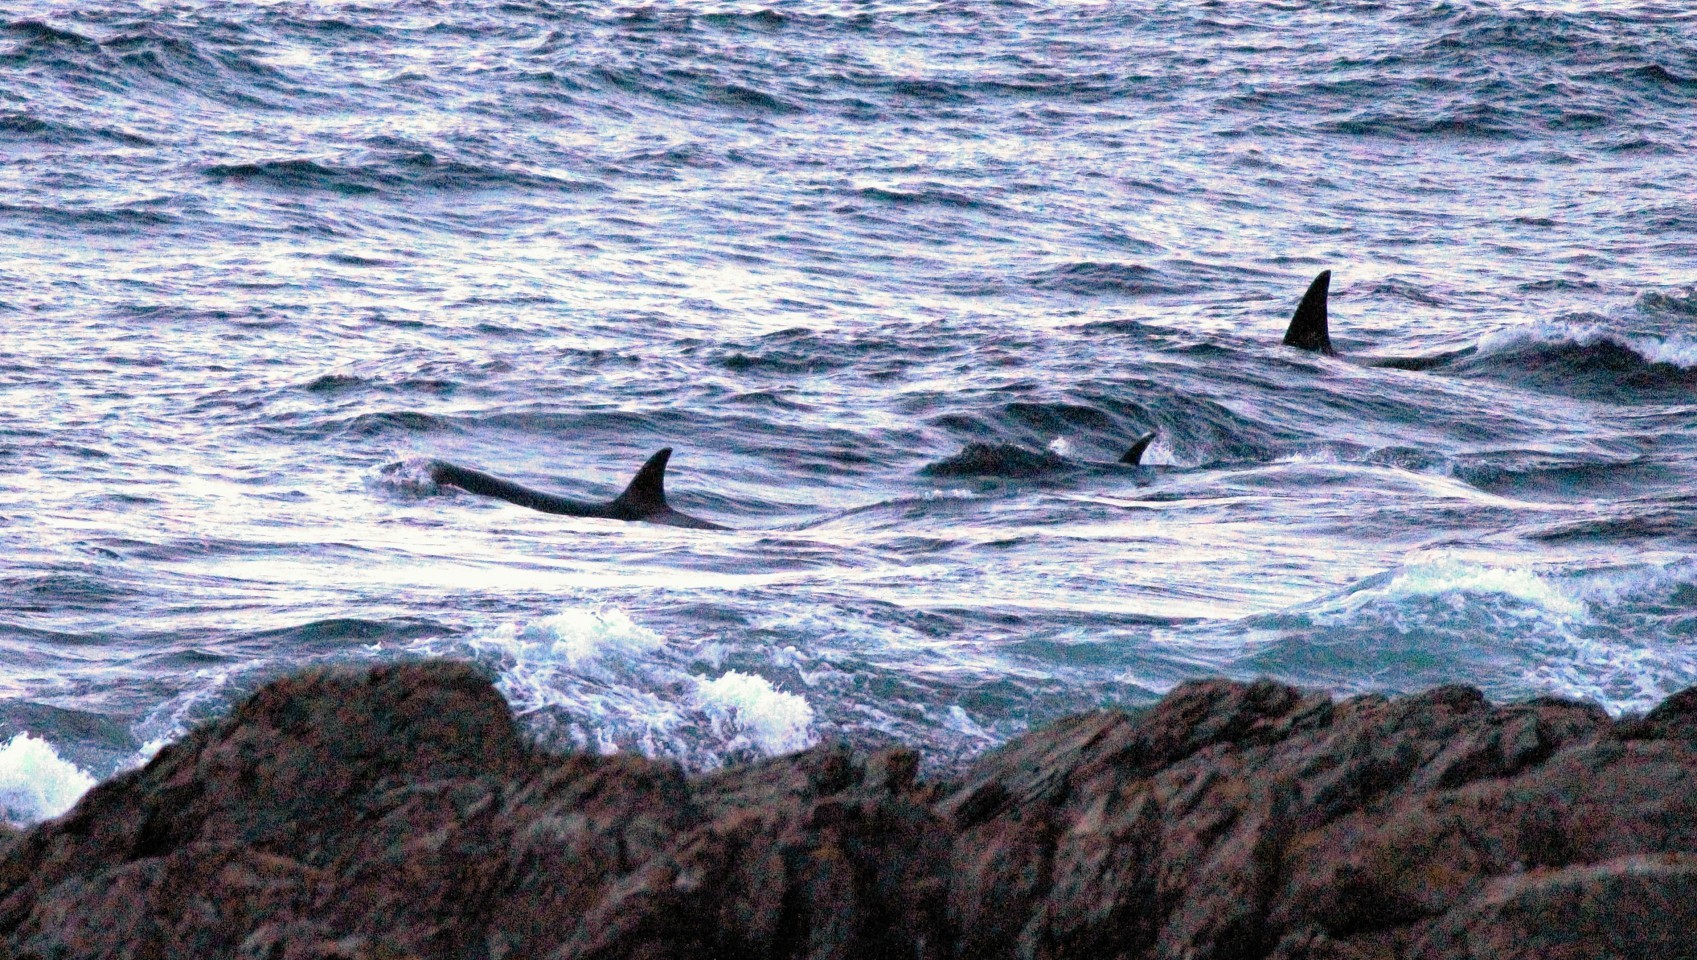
point(398, 813)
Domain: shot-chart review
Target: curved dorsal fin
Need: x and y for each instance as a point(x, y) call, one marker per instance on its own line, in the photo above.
point(1308, 328)
point(1134, 456)
point(647, 491)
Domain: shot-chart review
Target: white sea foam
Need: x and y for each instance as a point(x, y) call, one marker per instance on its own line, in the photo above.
point(1678, 350)
point(1614, 635)
point(1620, 676)
point(1321, 455)
point(1449, 575)
point(604, 682)
point(587, 661)
point(1060, 447)
point(1620, 585)
point(409, 478)
point(1159, 454)
point(35, 782)
point(961, 722)
point(206, 696)
point(575, 638)
point(774, 721)
point(956, 493)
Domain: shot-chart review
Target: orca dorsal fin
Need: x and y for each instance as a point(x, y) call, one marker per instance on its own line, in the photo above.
point(646, 494)
point(1134, 456)
point(1308, 328)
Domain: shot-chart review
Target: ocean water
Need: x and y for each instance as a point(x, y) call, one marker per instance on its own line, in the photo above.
point(898, 281)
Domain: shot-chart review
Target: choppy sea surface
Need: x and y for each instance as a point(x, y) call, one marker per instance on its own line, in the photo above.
point(898, 281)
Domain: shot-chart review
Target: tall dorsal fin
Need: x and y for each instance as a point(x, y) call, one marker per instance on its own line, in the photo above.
point(647, 491)
point(1134, 456)
point(1308, 328)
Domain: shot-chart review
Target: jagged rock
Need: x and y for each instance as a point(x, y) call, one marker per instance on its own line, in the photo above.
point(396, 813)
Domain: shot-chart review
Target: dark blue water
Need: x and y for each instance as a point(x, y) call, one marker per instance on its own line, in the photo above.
point(898, 281)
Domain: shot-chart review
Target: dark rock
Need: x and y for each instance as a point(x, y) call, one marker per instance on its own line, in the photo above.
point(1625, 908)
point(396, 813)
point(1675, 717)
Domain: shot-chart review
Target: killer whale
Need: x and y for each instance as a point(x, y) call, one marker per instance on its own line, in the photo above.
point(1134, 456)
point(1309, 330)
point(1013, 462)
point(643, 500)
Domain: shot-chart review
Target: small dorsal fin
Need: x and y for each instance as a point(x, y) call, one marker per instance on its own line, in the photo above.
point(1308, 328)
point(1134, 456)
point(647, 491)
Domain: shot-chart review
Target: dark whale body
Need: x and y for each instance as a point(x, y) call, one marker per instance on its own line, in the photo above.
point(644, 500)
point(1009, 461)
point(1309, 331)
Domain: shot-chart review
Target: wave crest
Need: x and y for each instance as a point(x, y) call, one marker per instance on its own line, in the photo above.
point(1561, 339)
point(594, 678)
point(35, 782)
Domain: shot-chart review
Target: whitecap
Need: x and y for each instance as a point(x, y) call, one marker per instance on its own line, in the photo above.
point(1679, 350)
point(598, 680)
point(35, 782)
point(1447, 575)
point(773, 721)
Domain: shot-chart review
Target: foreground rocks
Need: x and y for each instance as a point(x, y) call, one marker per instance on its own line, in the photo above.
point(397, 813)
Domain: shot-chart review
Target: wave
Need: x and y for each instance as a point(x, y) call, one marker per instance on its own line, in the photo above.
point(122, 218)
point(222, 62)
point(1585, 357)
point(1091, 278)
point(1677, 304)
point(36, 783)
point(1631, 529)
point(297, 174)
point(1522, 589)
point(688, 87)
point(91, 588)
point(1481, 120)
point(1515, 631)
point(40, 33)
point(593, 679)
point(21, 125)
point(387, 424)
point(1593, 342)
point(929, 194)
point(1660, 76)
point(416, 171)
point(1556, 475)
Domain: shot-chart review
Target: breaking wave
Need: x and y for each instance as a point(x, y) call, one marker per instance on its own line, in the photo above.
point(35, 782)
point(594, 679)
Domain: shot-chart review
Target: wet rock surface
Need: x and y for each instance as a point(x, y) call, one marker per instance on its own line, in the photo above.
point(398, 813)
